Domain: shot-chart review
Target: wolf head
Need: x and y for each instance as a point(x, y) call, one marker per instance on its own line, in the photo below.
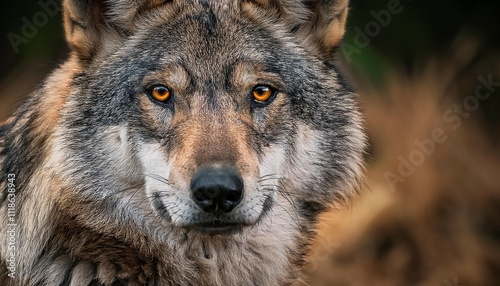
point(207, 116)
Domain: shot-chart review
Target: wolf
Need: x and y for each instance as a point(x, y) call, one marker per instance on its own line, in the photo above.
point(181, 143)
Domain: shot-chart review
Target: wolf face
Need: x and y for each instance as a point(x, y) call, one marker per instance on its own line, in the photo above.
point(218, 120)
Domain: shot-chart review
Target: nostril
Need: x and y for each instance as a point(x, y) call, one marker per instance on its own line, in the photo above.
point(231, 200)
point(203, 195)
point(233, 196)
point(217, 189)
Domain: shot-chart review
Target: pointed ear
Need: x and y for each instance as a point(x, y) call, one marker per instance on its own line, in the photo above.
point(92, 25)
point(323, 28)
point(318, 25)
point(84, 23)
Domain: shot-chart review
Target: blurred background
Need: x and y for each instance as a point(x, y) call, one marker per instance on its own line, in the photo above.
point(428, 75)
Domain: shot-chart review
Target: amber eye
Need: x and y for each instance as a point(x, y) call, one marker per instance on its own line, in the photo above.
point(262, 93)
point(161, 93)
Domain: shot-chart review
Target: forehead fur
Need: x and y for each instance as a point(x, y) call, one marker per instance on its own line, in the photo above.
point(130, 9)
point(96, 26)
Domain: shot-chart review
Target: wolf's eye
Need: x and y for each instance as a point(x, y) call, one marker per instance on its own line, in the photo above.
point(263, 93)
point(160, 93)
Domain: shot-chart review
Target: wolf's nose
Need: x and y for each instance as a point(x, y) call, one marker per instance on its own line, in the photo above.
point(217, 190)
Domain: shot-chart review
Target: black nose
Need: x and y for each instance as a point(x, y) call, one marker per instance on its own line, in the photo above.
point(217, 190)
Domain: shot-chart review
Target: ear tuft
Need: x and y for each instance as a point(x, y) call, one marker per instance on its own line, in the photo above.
point(82, 23)
point(325, 27)
point(94, 27)
point(91, 28)
point(318, 25)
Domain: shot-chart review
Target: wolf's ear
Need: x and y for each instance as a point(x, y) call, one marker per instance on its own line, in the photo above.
point(323, 27)
point(318, 25)
point(91, 26)
point(85, 25)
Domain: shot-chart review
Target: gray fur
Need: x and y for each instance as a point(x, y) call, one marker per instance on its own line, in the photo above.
point(103, 171)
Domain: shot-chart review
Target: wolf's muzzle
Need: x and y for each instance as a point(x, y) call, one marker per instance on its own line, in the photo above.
point(217, 190)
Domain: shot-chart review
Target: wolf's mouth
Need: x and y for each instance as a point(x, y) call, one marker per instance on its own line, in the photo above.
point(218, 227)
point(228, 226)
